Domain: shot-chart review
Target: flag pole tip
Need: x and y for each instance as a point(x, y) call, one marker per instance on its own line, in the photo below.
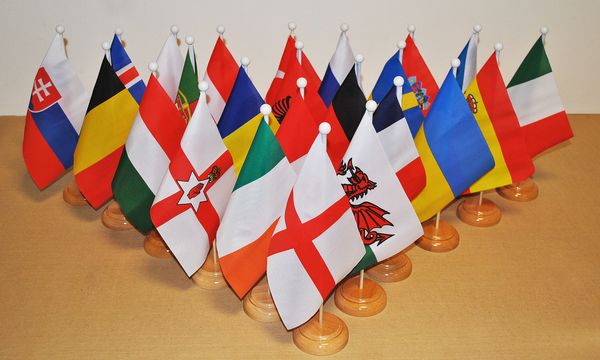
point(344, 27)
point(544, 30)
point(174, 30)
point(398, 81)
point(498, 46)
point(401, 44)
point(411, 28)
point(292, 26)
point(301, 82)
point(203, 86)
point(477, 29)
point(189, 40)
point(324, 128)
point(245, 61)
point(118, 31)
point(265, 109)
point(59, 29)
point(221, 30)
point(455, 63)
point(359, 58)
point(153, 66)
point(106, 45)
point(371, 106)
point(299, 45)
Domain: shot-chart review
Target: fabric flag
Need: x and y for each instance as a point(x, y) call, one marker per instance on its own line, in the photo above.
point(397, 141)
point(419, 76)
point(257, 201)
point(125, 70)
point(220, 75)
point(452, 148)
point(152, 142)
point(54, 116)
point(188, 93)
point(193, 194)
point(467, 70)
point(315, 244)
point(534, 95)
point(110, 113)
point(386, 221)
point(241, 117)
point(339, 66)
point(490, 104)
point(385, 82)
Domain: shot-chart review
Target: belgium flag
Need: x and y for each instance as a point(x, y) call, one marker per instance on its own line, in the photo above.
point(106, 125)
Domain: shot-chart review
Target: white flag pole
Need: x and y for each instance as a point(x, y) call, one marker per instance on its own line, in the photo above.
point(301, 84)
point(476, 31)
point(299, 47)
point(358, 60)
point(544, 32)
point(498, 47)
point(455, 64)
point(265, 110)
point(292, 28)
point(411, 30)
point(106, 47)
point(401, 45)
point(221, 31)
point(245, 63)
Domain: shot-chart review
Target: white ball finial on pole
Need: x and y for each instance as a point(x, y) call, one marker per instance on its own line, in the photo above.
point(203, 86)
point(189, 40)
point(344, 27)
point(299, 47)
point(358, 60)
point(476, 31)
point(153, 67)
point(544, 31)
point(455, 64)
point(401, 45)
point(174, 30)
point(292, 28)
point(106, 48)
point(324, 130)
point(265, 110)
point(398, 81)
point(498, 47)
point(301, 84)
point(371, 106)
point(221, 31)
point(411, 30)
point(119, 32)
point(245, 62)
point(60, 30)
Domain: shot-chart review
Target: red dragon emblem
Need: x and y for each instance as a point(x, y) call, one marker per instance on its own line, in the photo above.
point(368, 216)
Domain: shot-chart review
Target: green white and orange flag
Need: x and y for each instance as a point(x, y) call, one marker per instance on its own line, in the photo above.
point(188, 93)
point(109, 116)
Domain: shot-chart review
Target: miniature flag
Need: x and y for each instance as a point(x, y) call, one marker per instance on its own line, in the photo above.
point(188, 94)
point(107, 122)
point(535, 97)
point(419, 76)
point(125, 70)
point(386, 221)
point(490, 104)
point(54, 117)
point(339, 66)
point(315, 244)
point(397, 141)
point(452, 148)
point(257, 201)
point(410, 105)
point(194, 192)
point(220, 75)
point(467, 70)
point(152, 142)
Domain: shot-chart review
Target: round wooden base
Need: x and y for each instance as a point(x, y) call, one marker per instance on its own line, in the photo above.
point(258, 304)
point(520, 191)
point(155, 246)
point(368, 301)
point(394, 269)
point(321, 339)
point(72, 195)
point(444, 239)
point(113, 218)
point(209, 276)
point(484, 215)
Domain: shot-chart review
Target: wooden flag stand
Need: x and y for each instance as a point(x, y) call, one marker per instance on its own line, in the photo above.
point(477, 211)
point(358, 296)
point(526, 190)
point(394, 269)
point(113, 217)
point(323, 334)
point(258, 304)
point(209, 276)
point(72, 195)
point(438, 236)
point(155, 246)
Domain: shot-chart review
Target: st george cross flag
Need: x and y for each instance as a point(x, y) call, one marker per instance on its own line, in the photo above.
point(490, 104)
point(125, 70)
point(152, 142)
point(452, 148)
point(193, 194)
point(340, 64)
point(397, 141)
point(419, 76)
point(315, 244)
point(108, 120)
point(386, 221)
point(467, 70)
point(188, 94)
point(54, 116)
point(256, 203)
point(534, 95)
point(220, 75)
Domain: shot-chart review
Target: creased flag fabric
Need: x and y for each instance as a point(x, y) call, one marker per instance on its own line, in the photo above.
point(490, 104)
point(452, 148)
point(315, 244)
point(410, 105)
point(188, 93)
point(534, 95)
point(220, 75)
point(194, 192)
point(419, 76)
point(339, 66)
point(467, 70)
point(54, 117)
point(386, 221)
point(397, 141)
point(109, 117)
point(152, 142)
point(257, 201)
point(125, 70)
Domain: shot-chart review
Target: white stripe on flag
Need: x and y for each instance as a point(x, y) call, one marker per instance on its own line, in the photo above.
point(535, 99)
point(342, 60)
point(216, 103)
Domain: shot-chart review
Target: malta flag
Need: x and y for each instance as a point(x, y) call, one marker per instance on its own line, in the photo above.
point(152, 142)
point(193, 194)
point(125, 70)
point(490, 104)
point(257, 202)
point(108, 120)
point(386, 221)
point(452, 148)
point(419, 76)
point(534, 95)
point(54, 117)
point(340, 64)
point(220, 75)
point(315, 244)
point(188, 93)
point(397, 141)
point(467, 70)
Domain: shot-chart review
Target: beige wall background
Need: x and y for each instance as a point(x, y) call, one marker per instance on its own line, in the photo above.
point(258, 29)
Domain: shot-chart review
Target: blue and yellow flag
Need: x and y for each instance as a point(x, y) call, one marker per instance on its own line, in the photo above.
point(453, 150)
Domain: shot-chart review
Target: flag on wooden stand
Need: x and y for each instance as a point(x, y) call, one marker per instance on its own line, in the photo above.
point(340, 64)
point(125, 70)
point(220, 75)
point(419, 76)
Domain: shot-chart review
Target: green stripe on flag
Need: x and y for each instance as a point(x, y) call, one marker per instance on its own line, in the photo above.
point(367, 261)
point(188, 86)
point(533, 66)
